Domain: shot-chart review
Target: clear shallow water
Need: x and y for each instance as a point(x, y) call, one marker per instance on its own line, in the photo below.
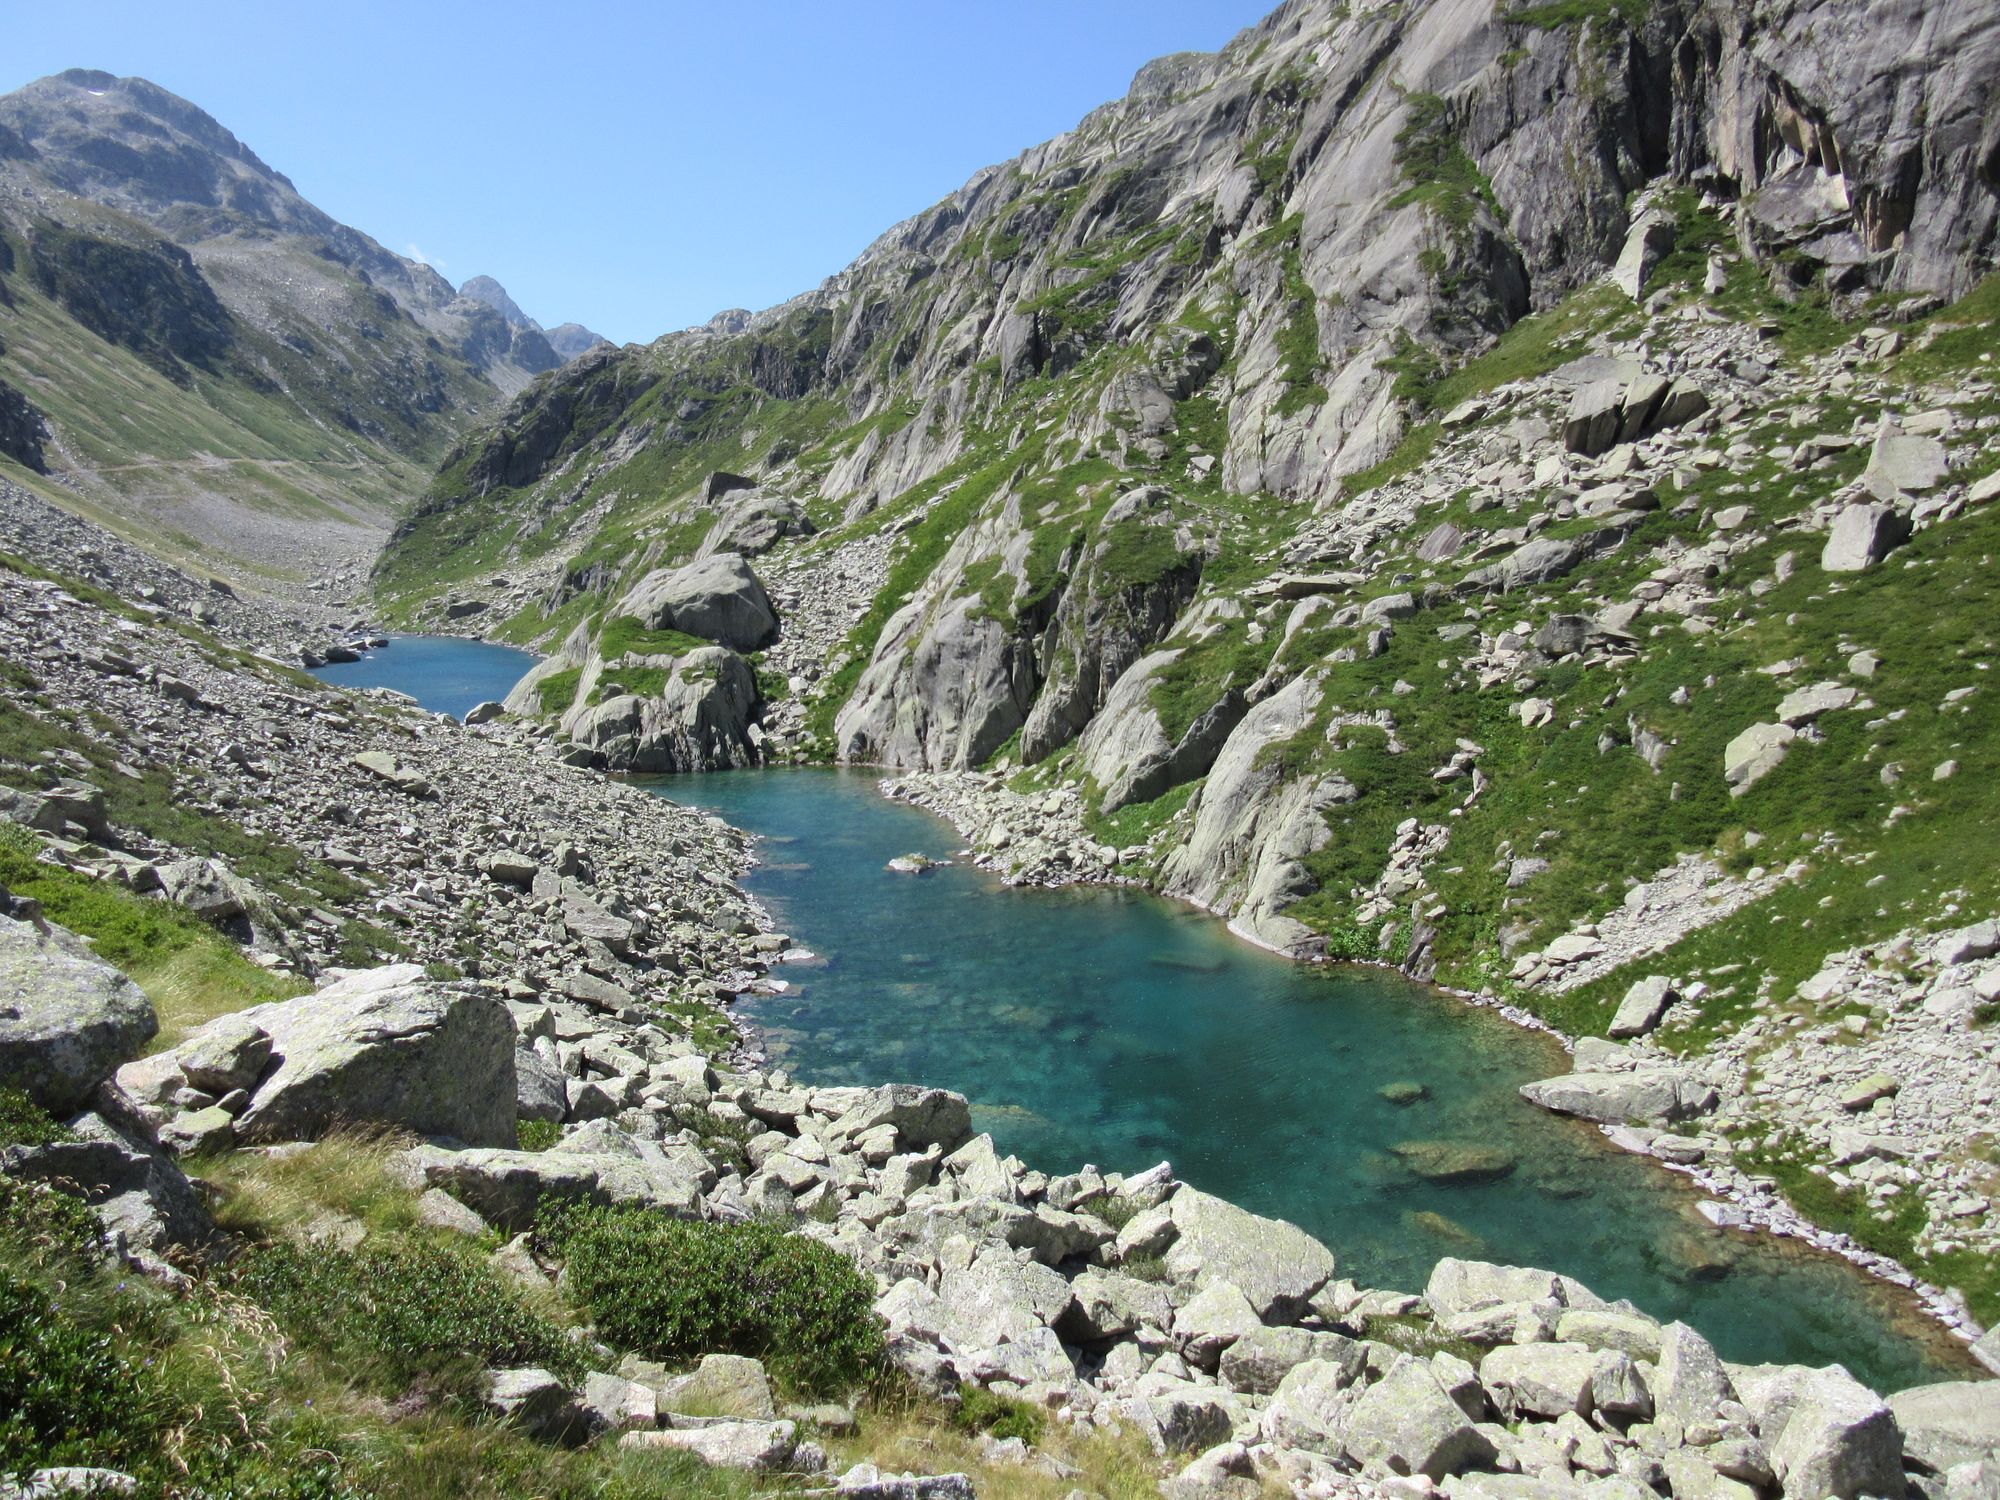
point(446, 675)
point(1111, 1026)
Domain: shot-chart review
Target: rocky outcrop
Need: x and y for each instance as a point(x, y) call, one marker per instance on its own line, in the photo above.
point(1122, 595)
point(702, 718)
point(1253, 825)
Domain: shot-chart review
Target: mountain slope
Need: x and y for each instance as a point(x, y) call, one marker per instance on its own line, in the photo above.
point(226, 372)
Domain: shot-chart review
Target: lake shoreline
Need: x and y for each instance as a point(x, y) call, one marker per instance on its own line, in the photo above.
point(1756, 1211)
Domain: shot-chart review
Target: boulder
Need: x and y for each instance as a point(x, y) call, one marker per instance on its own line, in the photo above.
point(723, 1385)
point(1177, 1417)
point(541, 1089)
point(381, 1047)
point(1649, 1095)
point(1952, 1423)
point(1862, 535)
point(205, 887)
point(1310, 1406)
point(1689, 1384)
point(1455, 1163)
point(1408, 1424)
point(1540, 1380)
point(1644, 1003)
point(1260, 1359)
point(615, 1404)
point(227, 1054)
point(535, 1401)
point(1277, 1266)
point(384, 766)
point(1841, 1439)
point(1212, 1320)
point(137, 1192)
point(1109, 1305)
point(67, 1018)
point(718, 598)
point(1650, 238)
point(1901, 464)
point(1754, 754)
point(506, 1187)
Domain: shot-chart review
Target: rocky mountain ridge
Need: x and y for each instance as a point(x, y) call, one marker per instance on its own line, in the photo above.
point(200, 354)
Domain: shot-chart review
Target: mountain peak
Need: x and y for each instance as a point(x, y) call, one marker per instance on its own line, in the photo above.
point(485, 289)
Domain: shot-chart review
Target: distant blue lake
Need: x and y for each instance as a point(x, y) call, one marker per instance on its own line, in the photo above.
point(445, 674)
point(1107, 1025)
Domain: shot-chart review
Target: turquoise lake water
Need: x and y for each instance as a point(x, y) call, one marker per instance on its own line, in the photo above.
point(446, 675)
point(1106, 1025)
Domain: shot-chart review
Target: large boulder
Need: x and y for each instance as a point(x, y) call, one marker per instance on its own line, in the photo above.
point(381, 1047)
point(1841, 1439)
point(717, 598)
point(1408, 1424)
point(1862, 536)
point(598, 1164)
point(1952, 1423)
point(67, 1018)
point(752, 524)
point(1277, 1266)
point(1652, 1095)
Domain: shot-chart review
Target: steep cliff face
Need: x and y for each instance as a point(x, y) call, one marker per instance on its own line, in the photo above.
point(1228, 456)
point(1340, 186)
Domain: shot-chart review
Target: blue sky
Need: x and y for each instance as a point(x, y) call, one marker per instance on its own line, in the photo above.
point(637, 167)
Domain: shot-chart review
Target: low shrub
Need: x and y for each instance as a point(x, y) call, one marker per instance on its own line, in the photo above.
point(538, 1135)
point(673, 1289)
point(67, 1393)
point(403, 1311)
point(25, 1123)
point(1002, 1417)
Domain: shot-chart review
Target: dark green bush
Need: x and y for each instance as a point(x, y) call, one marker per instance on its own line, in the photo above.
point(25, 1123)
point(981, 1410)
point(67, 1394)
point(674, 1289)
point(403, 1312)
point(538, 1135)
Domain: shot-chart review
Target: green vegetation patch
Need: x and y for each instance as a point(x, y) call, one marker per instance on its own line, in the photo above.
point(403, 1311)
point(189, 970)
point(675, 1289)
point(557, 691)
point(626, 635)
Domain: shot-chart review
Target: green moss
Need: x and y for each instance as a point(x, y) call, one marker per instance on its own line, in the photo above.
point(1195, 681)
point(1136, 822)
point(1298, 339)
point(1554, 15)
point(190, 970)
